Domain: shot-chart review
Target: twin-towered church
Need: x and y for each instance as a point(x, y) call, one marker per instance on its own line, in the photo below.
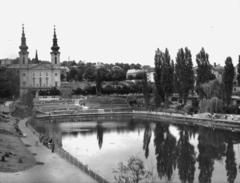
point(39, 76)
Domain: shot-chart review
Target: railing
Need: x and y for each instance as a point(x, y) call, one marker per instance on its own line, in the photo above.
point(74, 161)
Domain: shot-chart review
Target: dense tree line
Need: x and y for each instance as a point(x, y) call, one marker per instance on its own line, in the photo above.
point(89, 71)
point(9, 84)
point(180, 78)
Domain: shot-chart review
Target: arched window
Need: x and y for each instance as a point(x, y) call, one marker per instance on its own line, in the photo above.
point(40, 82)
point(46, 81)
point(23, 60)
point(55, 60)
point(33, 82)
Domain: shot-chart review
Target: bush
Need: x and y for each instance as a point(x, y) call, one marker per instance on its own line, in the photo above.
point(188, 109)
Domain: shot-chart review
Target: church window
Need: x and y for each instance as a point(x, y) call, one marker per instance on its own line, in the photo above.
point(46, 81)
point(23, 60)
point(33, 82)
point(40, 82)
point(56, 84)
point(55, 60)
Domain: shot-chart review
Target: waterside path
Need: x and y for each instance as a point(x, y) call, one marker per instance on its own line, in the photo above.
point(49, 168)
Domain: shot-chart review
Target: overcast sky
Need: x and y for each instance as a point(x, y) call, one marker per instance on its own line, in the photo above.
point(121, 31)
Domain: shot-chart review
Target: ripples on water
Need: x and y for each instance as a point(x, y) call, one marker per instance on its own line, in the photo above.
point(178, 153)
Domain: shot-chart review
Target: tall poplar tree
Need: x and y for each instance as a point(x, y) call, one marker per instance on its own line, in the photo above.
point(228, 76)
point(238, 71)
point(158, 61)
point(204, 73)
point(183, 77)
point(167, 75)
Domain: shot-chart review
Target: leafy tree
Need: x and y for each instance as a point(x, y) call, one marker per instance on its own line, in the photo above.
point(135, 66)
point(90, 72)
point(238, 71)
point(212, 89)
point(118, 75)
point(184, 77)
point(73, 73)
point(27, 98)
point(15, 61)
point(9, 84)
point(146, 90)
point(100, 75)
point(99, 78)
point(158, 74)
point(167, 75)
point(156, 97)
point(213, 105)
point(228, 76)
point(204, 73)
point(62, 77)
point(133, 172)
point(80, 72)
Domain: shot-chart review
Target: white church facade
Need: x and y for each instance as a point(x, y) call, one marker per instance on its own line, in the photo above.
point(39, 76)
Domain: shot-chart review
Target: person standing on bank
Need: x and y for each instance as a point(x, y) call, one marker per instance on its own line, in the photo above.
point(53, 146)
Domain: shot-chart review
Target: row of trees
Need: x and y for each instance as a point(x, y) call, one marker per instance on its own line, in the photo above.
point(88, 71)
point(170, 77)
point(180, 78)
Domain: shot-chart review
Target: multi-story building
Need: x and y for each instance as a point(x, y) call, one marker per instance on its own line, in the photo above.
point(39, 76)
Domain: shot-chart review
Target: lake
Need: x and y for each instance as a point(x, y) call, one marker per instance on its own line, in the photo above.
point(173, 152)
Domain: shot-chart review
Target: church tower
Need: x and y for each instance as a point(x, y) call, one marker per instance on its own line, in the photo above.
point(23, 54)
point(55, 54)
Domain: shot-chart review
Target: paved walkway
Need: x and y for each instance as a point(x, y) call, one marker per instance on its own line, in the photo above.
point(50, 168)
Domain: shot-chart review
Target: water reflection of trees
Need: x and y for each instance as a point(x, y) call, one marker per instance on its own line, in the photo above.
point(146, 139)
point(211, 147)
point(170, 152)
point(165, 150)
point(100, 131)
point(186, 158)
point(230, 165)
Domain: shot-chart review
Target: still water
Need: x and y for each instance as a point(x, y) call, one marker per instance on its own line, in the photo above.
point(175, 152)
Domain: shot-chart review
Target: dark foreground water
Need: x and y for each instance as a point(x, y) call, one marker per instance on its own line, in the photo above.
point(176, 152)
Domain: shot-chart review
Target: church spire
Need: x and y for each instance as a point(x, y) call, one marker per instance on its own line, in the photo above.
point(55, 46)
point(36, 57)
point(23, 46)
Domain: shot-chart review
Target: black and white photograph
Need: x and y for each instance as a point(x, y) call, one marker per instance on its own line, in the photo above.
point(110, 91)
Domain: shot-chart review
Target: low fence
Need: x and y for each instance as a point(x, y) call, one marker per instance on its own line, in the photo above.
point(74, 161)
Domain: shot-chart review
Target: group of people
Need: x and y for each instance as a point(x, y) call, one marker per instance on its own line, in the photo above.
point(47, 141)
